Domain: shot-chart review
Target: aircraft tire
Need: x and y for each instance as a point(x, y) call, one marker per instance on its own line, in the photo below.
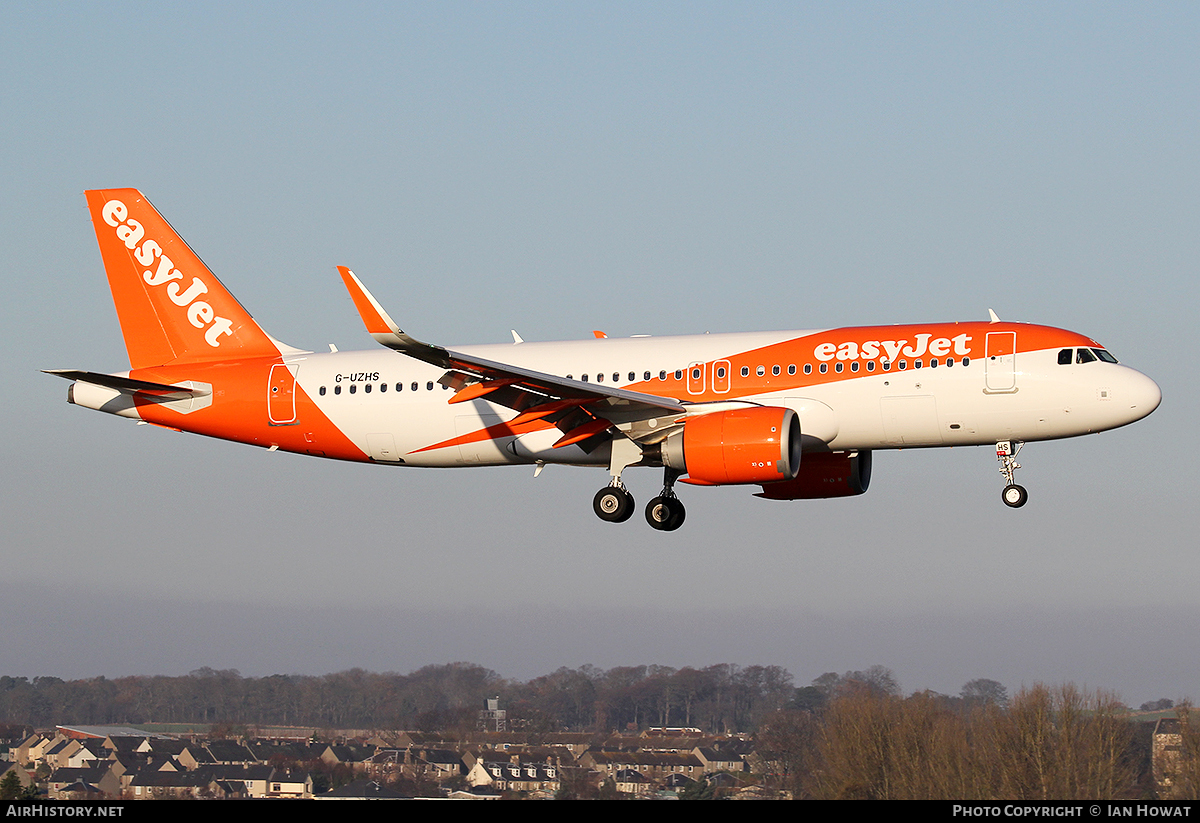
point(1014, 496)
point(613, 504)
point(665, 514)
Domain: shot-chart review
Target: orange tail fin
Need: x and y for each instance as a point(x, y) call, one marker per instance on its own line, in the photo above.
point(171, 307)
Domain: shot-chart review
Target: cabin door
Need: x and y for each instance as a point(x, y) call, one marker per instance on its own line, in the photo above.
point(999, 363)
point(281, 395)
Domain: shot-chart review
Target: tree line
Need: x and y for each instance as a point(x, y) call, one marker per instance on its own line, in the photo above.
point(720, 698)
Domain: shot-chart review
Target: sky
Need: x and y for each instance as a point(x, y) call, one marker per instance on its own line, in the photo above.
point(660, 168)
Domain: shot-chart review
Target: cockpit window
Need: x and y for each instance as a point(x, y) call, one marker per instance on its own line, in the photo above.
point(1104, 355)
point(1064, 357)
point(1084, 356)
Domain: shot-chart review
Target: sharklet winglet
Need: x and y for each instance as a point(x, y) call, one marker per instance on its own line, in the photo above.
point(383, 328)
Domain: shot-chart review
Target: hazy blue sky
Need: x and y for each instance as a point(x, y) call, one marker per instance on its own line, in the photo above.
point(638, 168)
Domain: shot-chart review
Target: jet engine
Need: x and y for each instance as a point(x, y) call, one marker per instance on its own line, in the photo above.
point(751, 445)
point(824, 474)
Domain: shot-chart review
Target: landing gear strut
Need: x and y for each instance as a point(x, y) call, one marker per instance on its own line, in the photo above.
point(666, 512)
point(1014, 496)
point(614, 503)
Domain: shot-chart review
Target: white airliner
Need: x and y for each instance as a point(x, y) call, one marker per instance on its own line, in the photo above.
point(796, 413)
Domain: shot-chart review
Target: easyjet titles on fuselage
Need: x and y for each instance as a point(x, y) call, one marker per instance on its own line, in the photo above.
point(870, 349)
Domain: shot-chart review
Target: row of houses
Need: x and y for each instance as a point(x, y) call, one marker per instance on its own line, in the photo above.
point(75, 764)
point(91, 761)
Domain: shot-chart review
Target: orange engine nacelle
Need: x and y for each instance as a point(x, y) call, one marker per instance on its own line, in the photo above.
point(841, 474)
point(754, 445)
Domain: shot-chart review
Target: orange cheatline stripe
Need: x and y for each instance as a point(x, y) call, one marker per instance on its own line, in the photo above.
point(510, 429)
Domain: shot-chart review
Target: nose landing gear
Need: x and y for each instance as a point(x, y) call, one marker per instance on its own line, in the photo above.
point(1014, 496)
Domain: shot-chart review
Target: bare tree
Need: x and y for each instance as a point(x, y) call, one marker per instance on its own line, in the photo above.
point(983, 690)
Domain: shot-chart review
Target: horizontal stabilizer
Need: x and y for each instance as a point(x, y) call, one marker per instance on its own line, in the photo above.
point(125, 385)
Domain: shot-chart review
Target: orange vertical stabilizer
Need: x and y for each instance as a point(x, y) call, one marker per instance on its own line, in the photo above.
point(172, 309)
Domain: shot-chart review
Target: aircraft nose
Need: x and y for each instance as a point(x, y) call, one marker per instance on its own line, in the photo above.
point(1140, 395)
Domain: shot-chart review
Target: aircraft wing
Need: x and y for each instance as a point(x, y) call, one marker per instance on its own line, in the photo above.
point(574, 406)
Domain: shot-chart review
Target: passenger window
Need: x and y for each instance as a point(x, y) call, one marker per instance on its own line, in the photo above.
point(399, 387)
point(599, 378)
point(760, 371)
point(854, 366)
point(584, 378)
point(632, 377)
point(616, 377)
point(745, 371)
point(695, 374)
point(933, 362)
point(322, 391)
point(870, 365)
point(353, 388)
point(383, 386)
point(791, 368)
point(721, 372)
point(775, 370)
point(428, 386)
point(337, 389)
point(662, 375)
point(808, 368)
point(966, 361)
point(887, 366)
point(838, 367)
point(824, 368)
point(679, 374)
point(367, 388)
point(903, 365)
point(646, 376)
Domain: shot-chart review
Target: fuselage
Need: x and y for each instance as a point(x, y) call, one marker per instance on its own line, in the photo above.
point(863, 388)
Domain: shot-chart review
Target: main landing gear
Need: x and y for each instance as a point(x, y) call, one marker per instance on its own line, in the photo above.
point(1014, 496)
point(665, 513)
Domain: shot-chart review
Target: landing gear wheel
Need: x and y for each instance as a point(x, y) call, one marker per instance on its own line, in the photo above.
point(1014, 496)
point(665, 513)
point(613, 504)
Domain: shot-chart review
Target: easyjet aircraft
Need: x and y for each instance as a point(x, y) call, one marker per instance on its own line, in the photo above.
point(795, 413)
